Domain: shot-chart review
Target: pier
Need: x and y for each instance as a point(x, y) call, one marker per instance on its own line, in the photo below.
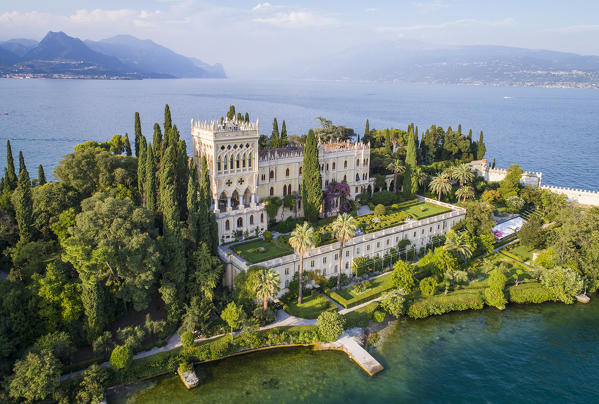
point(348, 343)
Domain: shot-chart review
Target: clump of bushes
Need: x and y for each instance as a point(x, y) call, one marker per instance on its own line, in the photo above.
point(532, 292)
point(379, 315)
point(268, 235)
point(121, 357)
point(131, 336)
point(494, 295)
point(428, 286)
point(380, 211)
point(441, 304)
point(394, 303)
point(330, 326)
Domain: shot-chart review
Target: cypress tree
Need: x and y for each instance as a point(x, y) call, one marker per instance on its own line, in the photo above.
point(150, 179)
point(141, 166)
point(173, 281)
point(247, 117)
point(214, 234)
point(181, 178)
point(128, 151)
point(481, 149)
point(493, 166)
point(168, 123)
point(41, 176)
point(274, 139)
point(138, 134)
point(367, 128)
point(22, 201)
point(11, 176)
point(231, 113)
point(205, 202)
point(284, 134)
point(92, 299)
point(410, 186)
point(311, 179)
point(239, 117)
point(193, 205)
point(388, 148)
point(460, 128)
point(157, 141)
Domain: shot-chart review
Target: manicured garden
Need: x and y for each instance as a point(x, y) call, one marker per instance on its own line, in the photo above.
point(312, 305)
point(261, 250)
point(362, 292)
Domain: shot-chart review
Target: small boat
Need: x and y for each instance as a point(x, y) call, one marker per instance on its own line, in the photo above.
point(583, 298)
point(507, 97)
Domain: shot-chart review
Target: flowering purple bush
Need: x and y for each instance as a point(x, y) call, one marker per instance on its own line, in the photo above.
point(337, 191)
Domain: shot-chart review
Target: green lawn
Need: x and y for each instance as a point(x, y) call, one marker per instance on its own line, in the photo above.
point(350, 293)
point(311, 306)
point(360, 317)
point(348, 297)
point(250, 251)
point(425, 209)
point(522, 252)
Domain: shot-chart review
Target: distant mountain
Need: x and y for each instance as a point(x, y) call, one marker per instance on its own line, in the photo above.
point(19, 46)
point(147, 56)
point(61, 56)
point(474, 65)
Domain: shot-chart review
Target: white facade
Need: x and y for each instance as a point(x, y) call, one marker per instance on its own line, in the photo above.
point(325, 258)
point(481, 168)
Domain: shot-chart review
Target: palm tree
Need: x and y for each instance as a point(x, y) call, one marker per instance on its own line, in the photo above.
point(462, 173)
point(457, 242)
point(464, 193)
point(397, 167)
point(302, 240)
point(267, 285)
point(421, 177)
point(344, 228)
point(440, 184)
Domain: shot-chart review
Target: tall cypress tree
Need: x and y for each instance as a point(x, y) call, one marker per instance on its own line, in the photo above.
point(92, 299)
point(150, 179)
point(284, 134)
point(22, 201)
point(141, 166)
point(311, 179)
point(128, 150)
point(41, 176)
point(173, 281)
point(481, 149)
point(181, 177)
point(205, 202)
point(274, 139)
point(137, 134)
point(231, 113)
point(11, 175)
point(168, 123)
point(409, 185)
point(388, 148)
point(239, 117)
point(367, 128)
point(193, 205)
point(157, 141)
point(213, 234)
point(247, 117)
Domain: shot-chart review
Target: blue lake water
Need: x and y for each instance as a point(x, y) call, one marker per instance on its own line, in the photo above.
point(555, 131)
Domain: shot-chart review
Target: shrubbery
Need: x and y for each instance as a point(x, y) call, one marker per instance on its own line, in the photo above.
point(428, 286)
point(441, 304)
point(131, 336)
point(268, 235)
point(121, 357)
point(379, 315)
point(379, 210)
point(564, 283)
point(393, 303)
point(532, 292)
point(494, 295)
point(330, 326)
point(403, 276)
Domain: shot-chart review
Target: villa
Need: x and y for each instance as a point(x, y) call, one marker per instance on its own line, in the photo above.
point(242, 177)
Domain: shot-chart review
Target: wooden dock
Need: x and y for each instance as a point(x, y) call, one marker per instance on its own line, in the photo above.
point(348, 343)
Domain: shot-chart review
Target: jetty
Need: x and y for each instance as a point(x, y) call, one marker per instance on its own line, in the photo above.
point(348, 342)
point(189, 378)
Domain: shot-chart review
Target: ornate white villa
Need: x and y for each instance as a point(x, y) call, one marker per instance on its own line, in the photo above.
point(243, 177)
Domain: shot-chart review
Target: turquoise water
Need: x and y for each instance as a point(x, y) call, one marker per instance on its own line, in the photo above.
point(549, 130)
point(533, 354)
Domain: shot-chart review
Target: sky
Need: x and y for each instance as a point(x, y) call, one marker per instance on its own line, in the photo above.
point(248, 37)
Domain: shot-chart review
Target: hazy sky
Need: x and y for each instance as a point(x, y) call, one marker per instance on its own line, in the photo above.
point(247, 36)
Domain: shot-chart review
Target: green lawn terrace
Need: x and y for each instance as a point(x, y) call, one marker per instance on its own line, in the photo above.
point(398, 218)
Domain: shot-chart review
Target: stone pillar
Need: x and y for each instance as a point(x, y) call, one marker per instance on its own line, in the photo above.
point(253, 201)
point(228, 204)
point(215, 206)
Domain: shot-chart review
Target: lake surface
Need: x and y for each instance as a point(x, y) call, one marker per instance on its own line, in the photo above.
point(533, 354)
point(555, 131)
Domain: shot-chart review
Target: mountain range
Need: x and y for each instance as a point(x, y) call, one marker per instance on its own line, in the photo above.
point(415, 62)
point(58, 55)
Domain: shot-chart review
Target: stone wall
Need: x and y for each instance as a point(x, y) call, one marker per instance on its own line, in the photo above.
point(480, 167)
point(576, 195)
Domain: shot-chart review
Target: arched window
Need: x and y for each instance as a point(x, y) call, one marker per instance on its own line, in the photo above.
point(328, 166)
point(240, 222)
point(357, 162)
point(287, 173)
point(299, 203)
point(227, 226)
point(357, 177)
point(231, 165)
point(345, 164)
point(238, 161)
point(218, 164)
point(272, 174)
point(225, 159)
point(333, 165)
point(251, 219)
point(345, 178)
point(356, 190)
point(284, 190)
point(243, 163)
point(272, 191)
point(300, 170)
point(261, 217)
point(289, 188)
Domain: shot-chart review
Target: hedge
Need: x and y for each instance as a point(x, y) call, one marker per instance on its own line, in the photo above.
point(364, 297)
point(530, 292)
point(441, 304)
